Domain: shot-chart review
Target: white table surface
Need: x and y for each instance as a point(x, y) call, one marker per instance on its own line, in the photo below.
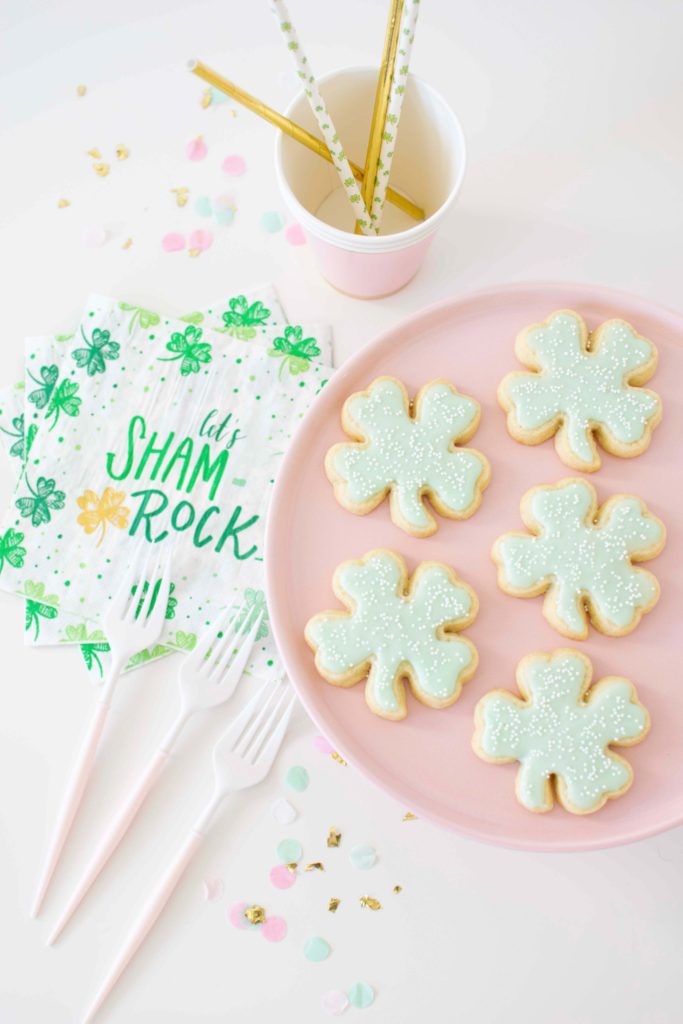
point(572, 114)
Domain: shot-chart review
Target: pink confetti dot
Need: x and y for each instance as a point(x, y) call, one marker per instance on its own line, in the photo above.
point(234, 165)
point(274, 929)
point(335, 1002)
point(200, 240)
point(236, 915)
point(172, 242)
point(95, 236)
point(295, 234)
point(282, 877)
point(323, 745)
point(196, 149)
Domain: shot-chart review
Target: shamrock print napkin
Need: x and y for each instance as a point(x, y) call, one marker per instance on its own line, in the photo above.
point(52, 614)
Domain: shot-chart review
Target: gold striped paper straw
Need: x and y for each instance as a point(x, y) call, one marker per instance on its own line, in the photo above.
point(379, 112)
point(292, 129)
point(398, 88)
point(322, 115)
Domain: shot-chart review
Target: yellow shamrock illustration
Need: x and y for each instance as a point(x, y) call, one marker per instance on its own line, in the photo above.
point(97, 512)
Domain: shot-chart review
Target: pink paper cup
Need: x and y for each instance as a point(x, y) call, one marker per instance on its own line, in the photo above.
point(428, 167)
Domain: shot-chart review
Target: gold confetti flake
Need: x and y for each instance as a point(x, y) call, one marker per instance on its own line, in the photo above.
point(94, 153)
point(333, 837)
point(315, 865)
point(81, 90)
point(193, 252)
point(127, 244)
point(255, 915)
point(409, 816)
point(63, 203)
point(181, 195)
point(397, 889)
point(206, 98)
point(122, 152)
point(101, 169)
point(338, 758)
point(292, 867)
point(371, 902)
point(333, 904)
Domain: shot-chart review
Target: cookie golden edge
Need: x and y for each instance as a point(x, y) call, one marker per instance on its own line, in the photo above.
point(356, 436)
point(554, 787)
point(405, 587)
point(590, 342)
point(597, 514)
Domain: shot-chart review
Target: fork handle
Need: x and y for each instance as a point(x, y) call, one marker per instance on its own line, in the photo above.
point(72, 797)
point(117, 829)
point(147, 918)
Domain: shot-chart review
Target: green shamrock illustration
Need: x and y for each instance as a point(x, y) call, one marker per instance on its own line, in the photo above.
point(193, 318)
point(97, 350)
point(241, 319)
point(41, 500)
point(91, 644)
point(39, 605)
point(18, 447)
point(253, 605)
point(11, 550)
point(64, 399)
point(189, 348)
point(294, 351)
point(183, 641)
point(145, 317)
point(41, 395)
point(170, 604)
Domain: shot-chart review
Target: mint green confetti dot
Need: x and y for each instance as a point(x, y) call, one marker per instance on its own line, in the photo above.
point(271, 221)
point(202, 206)
point(316, 949)
point(361, 995)
point(297, 779)
point(289, 851)
point(224, 217)
point(363, 857)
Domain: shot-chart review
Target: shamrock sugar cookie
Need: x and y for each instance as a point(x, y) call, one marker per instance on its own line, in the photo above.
point(581, 558)
point(409, 453)
point(561, 730)
point(396, 630)
point(581, 387)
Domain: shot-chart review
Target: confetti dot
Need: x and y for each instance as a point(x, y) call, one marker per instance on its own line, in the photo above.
point(202, 206)
point(196, 149)
point(323, 745)
point(361, 995)
point(282, 877)
point(200, 240)
point(94, 237)
point(236, 916)
point(335, 1002)
point(316, 950)
point(62, 204)
point(224, 202)
point(213, 889)
point(271, 222)
point(224, 217)
point(274, 929)
point(363, 857)
point(122, 152)
point(172, 242)
point(289, 851)
point(297, 779)
point(101, 169)
point(283, 812)
point(234, 165)
point(294, 234)
point(81, 90)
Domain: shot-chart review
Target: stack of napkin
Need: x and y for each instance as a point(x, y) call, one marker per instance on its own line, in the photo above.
point(139, 428)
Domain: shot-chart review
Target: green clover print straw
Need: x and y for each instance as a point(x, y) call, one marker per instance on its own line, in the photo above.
point(317, 103)
point(398, 88)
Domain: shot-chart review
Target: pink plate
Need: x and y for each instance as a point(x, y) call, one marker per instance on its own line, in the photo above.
point(426, 761)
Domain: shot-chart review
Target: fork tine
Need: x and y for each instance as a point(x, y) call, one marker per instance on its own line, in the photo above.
point(235, 665)
point(119, 601)
point(232, 629)
point(157, 614)
point(267, 754)
point(152, 595)
point(263, 726)
point(135, 599)
point(235, 730)
point(209, 636)
point(249, 733)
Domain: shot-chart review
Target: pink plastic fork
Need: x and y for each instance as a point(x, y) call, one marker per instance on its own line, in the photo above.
point(133, 621)
point(207, 678)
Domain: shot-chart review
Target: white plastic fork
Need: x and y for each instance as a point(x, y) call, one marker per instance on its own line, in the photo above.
point(241, 758)
point(134, 620)
point(207, 678)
